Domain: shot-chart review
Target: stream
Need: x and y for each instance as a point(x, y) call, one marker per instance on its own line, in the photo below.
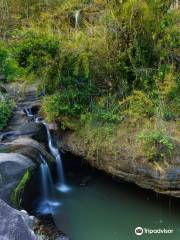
point(89, 205)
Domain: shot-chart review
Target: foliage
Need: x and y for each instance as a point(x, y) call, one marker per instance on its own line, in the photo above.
point(97, 137)
point(137, 105)
point(120, 63)
point(157, 144)
point(8, 65)
point(5, 111)
point(16, 196)
point(35, 52)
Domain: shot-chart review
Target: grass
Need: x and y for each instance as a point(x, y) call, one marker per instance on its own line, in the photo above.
point(17, 194)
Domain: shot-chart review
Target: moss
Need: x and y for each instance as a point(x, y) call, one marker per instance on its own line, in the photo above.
point(17, 194)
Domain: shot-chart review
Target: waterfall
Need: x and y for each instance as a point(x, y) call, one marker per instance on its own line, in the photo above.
point(57, 156)
point(47, 183)
point(47, 202)
point(55, 153)
point(28, 112)
point(76, 16)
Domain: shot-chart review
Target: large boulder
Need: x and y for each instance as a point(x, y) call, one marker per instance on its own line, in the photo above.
point(27, 147)
point(12, 168)
point(21, 127)
point(15, 225)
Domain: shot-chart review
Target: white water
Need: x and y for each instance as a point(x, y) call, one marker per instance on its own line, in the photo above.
point(47, 202)
point(57, 156)
point(61, 186)
point(76, 15)
point(28, 112)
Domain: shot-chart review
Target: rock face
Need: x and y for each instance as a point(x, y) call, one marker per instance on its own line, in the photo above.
point(162, 179)
point(15, 225)
point(12, 168)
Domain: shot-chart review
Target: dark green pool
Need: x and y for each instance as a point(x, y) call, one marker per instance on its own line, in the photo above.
point(110, 210)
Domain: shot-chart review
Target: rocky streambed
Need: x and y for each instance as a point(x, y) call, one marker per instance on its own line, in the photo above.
point(21, 145)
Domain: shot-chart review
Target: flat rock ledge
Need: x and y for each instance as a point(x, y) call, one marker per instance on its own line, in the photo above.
point(123, 166)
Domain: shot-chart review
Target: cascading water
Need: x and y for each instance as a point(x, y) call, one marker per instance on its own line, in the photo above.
point(47, 202)
point(76, 16)
point(54, 151)
point(47, 183)
point(28, 112)
point(57, 156)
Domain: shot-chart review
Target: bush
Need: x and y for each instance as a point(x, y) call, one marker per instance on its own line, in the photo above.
point(71, 100)
point(8, 65)
point(5, 111)
point(137, 105)
point(37, 54)
point(106, 110)
point(157, 144)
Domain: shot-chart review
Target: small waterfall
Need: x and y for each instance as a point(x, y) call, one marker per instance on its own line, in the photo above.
point(47, 202)
point(47, 183)
point(76, 16)
point(28, 112)
point(57, 156)
point(55, 153)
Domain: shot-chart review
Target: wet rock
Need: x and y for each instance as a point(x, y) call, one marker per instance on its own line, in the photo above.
point(33, 130)
point(12, 168)
point(14, 225)
point(45, 227)
point(2, 78)
point(62, 237)
point(28, 147)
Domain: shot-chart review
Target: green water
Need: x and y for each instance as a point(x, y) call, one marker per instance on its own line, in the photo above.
point(110, 210)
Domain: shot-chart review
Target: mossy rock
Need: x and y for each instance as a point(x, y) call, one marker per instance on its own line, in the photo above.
point(17, 194)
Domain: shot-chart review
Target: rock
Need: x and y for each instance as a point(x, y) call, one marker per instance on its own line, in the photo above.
point(53, 126)
point(30, 221)
point(126, 166)
point(12, 168)
point(28, 147)
point(2, 88)
point(62, 237)
point(13, 224)
point(31, 129)
point(2, 78)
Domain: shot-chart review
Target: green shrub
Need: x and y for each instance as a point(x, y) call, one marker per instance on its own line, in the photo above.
point(8, 65)
point(5, 111)
point(37, 54)
point(106, 110)
point(157, 144)
point(137, 105)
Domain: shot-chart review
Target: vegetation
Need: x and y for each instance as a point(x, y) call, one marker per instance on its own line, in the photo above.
point(5, 110)
point(118, 64)
point(16, 196)
point(156, 144)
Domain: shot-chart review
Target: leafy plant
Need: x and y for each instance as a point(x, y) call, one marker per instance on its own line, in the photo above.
point(137, 105)
point(157, 144)
point(8, 65)
point(5, 111)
